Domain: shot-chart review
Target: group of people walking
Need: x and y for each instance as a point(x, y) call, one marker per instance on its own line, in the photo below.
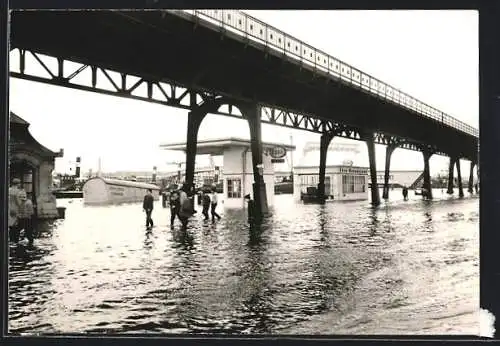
point(210, 201)
point(181, 206)
point(21, 212)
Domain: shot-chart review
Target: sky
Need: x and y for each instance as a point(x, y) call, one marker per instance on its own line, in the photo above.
point(431, 55)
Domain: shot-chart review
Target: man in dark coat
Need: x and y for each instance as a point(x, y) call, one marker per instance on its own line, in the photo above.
point(205, 203)
point(405, 193)
point(147, 205)
point(175, 206)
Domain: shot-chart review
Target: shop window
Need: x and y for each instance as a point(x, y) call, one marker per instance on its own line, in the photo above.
point(353, 184)
point(233, 188)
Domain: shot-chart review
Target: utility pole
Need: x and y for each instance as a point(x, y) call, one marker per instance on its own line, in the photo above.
point(179, 170)
point(291, 157)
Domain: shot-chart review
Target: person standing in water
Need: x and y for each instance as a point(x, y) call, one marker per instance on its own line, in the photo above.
point(205, 203)
point(254, 218)
point(405, 193)
point(147, 205)
point(24, 216)
point(214, 200)
point(183, 194)
point(175, 206)
point(186, 209)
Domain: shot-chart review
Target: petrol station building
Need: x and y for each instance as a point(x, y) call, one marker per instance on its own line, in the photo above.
point(237, 172)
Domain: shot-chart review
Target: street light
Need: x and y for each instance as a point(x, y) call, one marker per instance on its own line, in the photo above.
point(153, 179)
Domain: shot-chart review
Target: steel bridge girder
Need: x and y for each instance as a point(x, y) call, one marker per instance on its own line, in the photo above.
point(179, 93)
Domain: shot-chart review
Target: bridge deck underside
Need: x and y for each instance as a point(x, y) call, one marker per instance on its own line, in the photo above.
point(162, 46)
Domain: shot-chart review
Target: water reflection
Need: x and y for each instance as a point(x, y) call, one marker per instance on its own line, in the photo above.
point(373, 222)
point(257, 280)
point(184, 239)
point(255, 236)
point(148, 240)
point(222, 277)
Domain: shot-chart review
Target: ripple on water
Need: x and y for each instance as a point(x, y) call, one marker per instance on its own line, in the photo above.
point(305, 263)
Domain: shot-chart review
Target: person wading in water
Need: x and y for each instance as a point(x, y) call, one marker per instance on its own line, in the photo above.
point(175, 206)
point(205, 203)
point(24, 217)
point(214, 200)
point(147, 205)
point(405, 193)
point(186, 209)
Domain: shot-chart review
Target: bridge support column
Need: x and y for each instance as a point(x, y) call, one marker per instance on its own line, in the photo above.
point(451, 170)
point(326, 138)
point(459, 178)
point(427, 173)
point(471, 177)
point(195, 118)
point(388, 153)
point(253, 115)
point(373, 169)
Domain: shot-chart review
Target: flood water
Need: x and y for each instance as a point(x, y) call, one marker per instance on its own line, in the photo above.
point(341, 268)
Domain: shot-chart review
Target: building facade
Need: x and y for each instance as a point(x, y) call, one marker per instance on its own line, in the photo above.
point(399, 178)
point(33, 164)
point(238, 176)
point(237, 169)
point(342, 182)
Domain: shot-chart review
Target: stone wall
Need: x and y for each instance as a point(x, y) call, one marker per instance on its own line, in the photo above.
point(46, 201)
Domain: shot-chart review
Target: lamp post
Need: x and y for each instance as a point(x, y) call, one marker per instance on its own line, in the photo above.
point(154, 175)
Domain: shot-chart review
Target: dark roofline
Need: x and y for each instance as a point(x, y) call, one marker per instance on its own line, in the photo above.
point(234, 140)
point(16, 119)
point(332, 166)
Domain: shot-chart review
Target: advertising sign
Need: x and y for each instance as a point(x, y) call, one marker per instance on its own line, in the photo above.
point(277, 152)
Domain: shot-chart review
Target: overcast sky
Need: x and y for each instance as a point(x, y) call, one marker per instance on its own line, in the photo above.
point(431, 55)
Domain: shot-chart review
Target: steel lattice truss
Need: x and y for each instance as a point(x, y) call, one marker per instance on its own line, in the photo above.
point(66, 73)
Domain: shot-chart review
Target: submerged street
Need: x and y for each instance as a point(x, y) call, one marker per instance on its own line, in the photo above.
point(339, 268)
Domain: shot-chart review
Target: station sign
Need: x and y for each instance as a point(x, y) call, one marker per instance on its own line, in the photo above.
point(277, 152)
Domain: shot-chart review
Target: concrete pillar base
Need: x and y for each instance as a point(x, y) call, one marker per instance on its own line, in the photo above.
point(451, 167)
point(373, 169)
point(427, 174)
point(194, 121)
point(260, 196)
point(252, 114)
point(471, 178)
point(325, 142)
point(459, 178)
point(46, 207)
point(388, 153)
